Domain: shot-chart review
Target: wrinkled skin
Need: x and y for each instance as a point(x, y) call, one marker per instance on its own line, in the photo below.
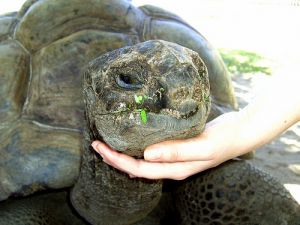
point(176, 81)
point(232, 193)
point(173, 79)
point(42, 209)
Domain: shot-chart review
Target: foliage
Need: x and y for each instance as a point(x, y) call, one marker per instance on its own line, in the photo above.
point(241, 61)
point(140, 108)
point(139, 99)
point(143, 115)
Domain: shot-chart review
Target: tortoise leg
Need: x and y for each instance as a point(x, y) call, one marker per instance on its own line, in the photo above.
point(45, 209)
point(35, 157)
point(235, 193)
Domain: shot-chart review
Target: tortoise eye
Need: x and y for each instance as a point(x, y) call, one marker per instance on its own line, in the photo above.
point(128, 82)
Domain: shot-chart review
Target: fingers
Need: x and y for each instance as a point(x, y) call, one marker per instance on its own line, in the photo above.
point(149, 170)
point(215, 143)
point(103, 150)
point(193, 149)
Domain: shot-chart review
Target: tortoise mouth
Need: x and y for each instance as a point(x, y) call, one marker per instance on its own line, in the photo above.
point(179, 115)
point(169, 112)
point(185, 110)
point(175, 121)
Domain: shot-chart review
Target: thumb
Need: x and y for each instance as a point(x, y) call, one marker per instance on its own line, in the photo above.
point(180, 150)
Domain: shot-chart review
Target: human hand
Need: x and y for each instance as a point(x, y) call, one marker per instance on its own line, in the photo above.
point(178, 159)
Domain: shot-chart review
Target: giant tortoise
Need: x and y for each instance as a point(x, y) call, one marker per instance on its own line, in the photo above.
point(151, 77)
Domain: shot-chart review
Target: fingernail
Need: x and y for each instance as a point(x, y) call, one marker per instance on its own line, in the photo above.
point(152, 154)
point(95, 145)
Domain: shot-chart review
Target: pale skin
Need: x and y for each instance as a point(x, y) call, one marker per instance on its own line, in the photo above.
point(230, 135)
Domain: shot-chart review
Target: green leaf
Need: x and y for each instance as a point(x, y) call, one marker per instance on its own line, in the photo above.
point(138, 99)
point(143, 115)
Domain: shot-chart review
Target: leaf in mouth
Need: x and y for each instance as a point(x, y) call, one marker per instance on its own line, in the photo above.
point(143, 115)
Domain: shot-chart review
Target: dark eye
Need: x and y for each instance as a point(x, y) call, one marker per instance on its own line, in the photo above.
point(129, 82)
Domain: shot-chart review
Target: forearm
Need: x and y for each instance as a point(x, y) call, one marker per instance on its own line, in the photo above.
point(271, 113)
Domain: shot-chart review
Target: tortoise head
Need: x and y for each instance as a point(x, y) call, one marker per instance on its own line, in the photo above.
point(143, 94)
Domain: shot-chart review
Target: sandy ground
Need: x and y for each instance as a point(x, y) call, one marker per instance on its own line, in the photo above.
point(281, 157)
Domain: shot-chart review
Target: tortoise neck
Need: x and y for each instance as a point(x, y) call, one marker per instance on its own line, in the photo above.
point(104, 193)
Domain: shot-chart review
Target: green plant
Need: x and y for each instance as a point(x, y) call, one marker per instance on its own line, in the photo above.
point(140, 108)
point(140, 99)
point(241, 61)
point(143, 115)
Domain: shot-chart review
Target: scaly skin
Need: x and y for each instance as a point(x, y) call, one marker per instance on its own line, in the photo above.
point(235, 193)
point(46, 209)
point(176, 81)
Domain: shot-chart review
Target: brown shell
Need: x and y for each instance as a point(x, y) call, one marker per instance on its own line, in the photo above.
point(43, 51)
